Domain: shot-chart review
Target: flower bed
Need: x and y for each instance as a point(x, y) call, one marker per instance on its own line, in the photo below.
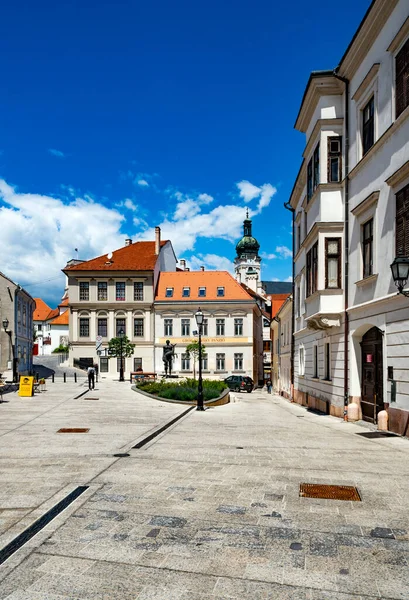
point(182, 391)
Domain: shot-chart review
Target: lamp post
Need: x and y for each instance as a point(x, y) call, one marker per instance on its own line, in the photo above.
point(199, 321)
point(9, 333)
point(121, 334)
point(400, 273)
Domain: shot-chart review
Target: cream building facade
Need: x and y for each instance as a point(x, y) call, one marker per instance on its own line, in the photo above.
point(351, 203)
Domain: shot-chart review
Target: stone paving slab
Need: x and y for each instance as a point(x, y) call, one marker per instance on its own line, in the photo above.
point(211, 509)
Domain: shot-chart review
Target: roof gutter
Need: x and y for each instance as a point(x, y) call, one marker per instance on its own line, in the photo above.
point(288, 206)
point(346, 242)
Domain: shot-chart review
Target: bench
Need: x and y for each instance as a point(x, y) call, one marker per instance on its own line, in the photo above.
point(141, 375)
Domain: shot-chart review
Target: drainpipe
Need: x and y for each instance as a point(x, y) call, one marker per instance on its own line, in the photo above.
point(346, 244)
point(288, 206)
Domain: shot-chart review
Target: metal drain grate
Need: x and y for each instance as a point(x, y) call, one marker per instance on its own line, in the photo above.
point(73, 430)
point(371, 435)
point(329, 492)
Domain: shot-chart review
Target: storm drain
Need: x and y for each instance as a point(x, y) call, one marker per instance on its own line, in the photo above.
point(329, 492)
point(372, 435)
point(73, 430)
point(38, 525)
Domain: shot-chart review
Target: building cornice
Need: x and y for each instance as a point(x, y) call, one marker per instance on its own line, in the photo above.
point(365, 82)
point(373, 22)
point(321, 124)
point(322, 227)
point(399, 37)
point(320, 84)
point(398, 176)
point(365, 204)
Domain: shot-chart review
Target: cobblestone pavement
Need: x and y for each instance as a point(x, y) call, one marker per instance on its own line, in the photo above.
point(210, 509)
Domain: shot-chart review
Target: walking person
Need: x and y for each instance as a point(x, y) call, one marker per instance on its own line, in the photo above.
point(96, 369)
point(269, 386)
point(91, 377)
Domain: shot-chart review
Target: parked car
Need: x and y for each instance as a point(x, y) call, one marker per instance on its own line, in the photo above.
point(238, 383)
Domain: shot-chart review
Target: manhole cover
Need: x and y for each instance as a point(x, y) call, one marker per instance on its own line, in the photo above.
point(73, 430)
point(329, 492)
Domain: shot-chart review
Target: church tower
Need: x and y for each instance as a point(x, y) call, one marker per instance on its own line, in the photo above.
point(247, 265)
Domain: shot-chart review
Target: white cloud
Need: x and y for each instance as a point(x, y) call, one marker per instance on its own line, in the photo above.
point(290, 278)
point(284, 252)
point(205, 198)
point(248, 191)
point(211, 262)
point(268, 256)
point(129, 204)
point(34, 248)
point(142, 183)
point(57, 153)
point(267, 192)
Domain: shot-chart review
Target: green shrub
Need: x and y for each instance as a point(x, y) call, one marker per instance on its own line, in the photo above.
point(185, 391)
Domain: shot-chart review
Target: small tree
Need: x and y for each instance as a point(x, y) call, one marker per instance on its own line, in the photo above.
point(193, 350)
point(117, 343)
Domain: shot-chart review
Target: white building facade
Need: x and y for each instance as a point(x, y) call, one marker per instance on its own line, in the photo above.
point(351, 204)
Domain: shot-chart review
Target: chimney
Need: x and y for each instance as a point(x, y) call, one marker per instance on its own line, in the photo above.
point(202, 268)
point(183, 264)
point(157, 240)
point(128, 242)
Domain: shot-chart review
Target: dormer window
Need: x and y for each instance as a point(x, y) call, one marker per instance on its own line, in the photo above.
point(169, 292)
point(220, 292)
point(186, 292)
point(202, 292)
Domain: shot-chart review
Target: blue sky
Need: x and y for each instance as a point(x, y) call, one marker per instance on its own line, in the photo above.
point(119, 116)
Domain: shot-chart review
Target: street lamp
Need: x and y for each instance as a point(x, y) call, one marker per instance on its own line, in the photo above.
point(9, 333)
point(199, 321)
point(400, 273)
point(121, 334)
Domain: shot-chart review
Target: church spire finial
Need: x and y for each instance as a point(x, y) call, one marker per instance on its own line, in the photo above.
point(247, 213)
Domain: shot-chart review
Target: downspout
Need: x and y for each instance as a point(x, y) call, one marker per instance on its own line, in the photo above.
point(288, 206)
point(346, 245)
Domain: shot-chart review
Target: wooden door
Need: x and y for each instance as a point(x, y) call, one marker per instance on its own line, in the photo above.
point(372, 375)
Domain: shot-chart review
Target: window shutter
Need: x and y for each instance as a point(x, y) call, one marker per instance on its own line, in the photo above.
point(402, 222)
point(402, 79)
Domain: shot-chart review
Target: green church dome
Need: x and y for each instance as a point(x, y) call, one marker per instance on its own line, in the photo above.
point(248, 244)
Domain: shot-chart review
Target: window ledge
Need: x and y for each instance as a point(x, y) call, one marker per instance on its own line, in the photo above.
point(216, 371)
point(326, 380)
point(367, 280)
point(237, 371)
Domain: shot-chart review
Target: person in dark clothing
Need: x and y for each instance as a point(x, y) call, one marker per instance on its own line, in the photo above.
point(96, 369)
point(91, 377)
point(269, 386)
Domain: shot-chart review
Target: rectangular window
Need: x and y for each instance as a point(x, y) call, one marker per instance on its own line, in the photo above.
point(238, 326)
point(205, 327)
point(238, 362)
point(169, 292)
point(219, 326)
point(40, 327)
point(309, 181)
point(120, 326)
point(327, 358)
point(84, 290)
point(138, 327)
point(186, 292)
point(334, 159)
point(185, 326)
point(302, 360)
point(332, 263)
point(84, 327)
point(168, 327)
point(315, 362)
point(103, 326)
point(312, 270)
point(205, 364)
point(24, 315)
point(220, 292)
point(202, 292)
point(367, 248)
point(220, 362)
point(368, 126)
point(185, 361)
point(298, 301)
point(102, 291)
point(298, 237)
point(402, 222)
point(103, 365)
point(316, 173)
point(402, 78)
point(120, 290)
point(137, 364)
point(138, 290)
point(305, 225)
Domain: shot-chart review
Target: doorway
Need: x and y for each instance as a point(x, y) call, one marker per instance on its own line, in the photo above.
point(372, 375)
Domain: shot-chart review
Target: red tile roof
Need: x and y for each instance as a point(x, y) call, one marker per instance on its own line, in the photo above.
point(62, 319)
point(211, 280)
point(277, 300)
point(43, 312)
point(139, 256)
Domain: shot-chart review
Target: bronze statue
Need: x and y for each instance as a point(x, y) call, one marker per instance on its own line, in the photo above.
point(168, 354)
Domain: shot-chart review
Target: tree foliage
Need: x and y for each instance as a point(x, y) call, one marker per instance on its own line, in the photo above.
point(193, 349)
point(114, 347)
